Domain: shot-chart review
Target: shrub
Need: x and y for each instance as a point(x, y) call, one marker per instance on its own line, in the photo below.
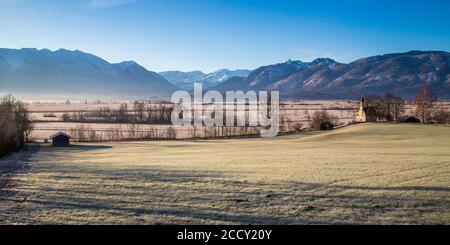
point(320, 117)
point(326, 126)
point(441, 116)
point(412, 119)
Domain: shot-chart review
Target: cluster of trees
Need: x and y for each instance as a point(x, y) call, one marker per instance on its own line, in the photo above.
point(383, 108)
point(85, 133)
point(139, 113)
point(441, 115)
point(15, 124)
point(426, 108)
point(214, 132)
point(390, 108)
point(424, 103)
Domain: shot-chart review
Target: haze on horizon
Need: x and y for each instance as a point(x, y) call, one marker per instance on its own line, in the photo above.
point(209, 35)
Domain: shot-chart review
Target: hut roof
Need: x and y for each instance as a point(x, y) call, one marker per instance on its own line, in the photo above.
point(58, 134)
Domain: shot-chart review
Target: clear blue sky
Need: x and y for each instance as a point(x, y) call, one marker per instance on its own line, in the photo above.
point(212, 34)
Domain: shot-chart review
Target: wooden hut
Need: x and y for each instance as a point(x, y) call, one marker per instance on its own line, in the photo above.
point(60, 139)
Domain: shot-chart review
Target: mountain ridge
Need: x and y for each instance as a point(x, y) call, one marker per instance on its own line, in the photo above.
point(399, 73)
point(30, 70)
point(47, 72)
point(186, 80)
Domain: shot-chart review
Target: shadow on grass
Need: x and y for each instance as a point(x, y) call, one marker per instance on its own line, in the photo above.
point(86, 147)
point(400, 188)
point(87, 193)
point(378, 188)
point(177, 196)
point(14, 162)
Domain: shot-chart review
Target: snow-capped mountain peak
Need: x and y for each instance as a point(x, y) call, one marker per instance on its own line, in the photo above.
point(185, 80)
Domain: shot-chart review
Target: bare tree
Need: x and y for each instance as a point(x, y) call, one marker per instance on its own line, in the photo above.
point(308, 118)
point(373, 107)
point(171, 133)
point(392, 107)
point(388, 107)
point(424, 102)
point(123, 112)
point(139, 108)
point(23, 120)
point(441, 115)
point(15, 124)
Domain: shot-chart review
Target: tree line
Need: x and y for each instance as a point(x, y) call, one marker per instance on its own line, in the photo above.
point(85, 133)
point(390, 108)
point(138, 113)
point(383, 108)
point(15, 124)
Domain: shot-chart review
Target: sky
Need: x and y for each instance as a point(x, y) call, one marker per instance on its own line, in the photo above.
point(212, 34)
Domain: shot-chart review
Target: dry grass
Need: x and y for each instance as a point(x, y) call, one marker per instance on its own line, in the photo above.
point(364, 174)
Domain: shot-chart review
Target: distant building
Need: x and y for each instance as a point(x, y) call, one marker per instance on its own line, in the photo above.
point(60, 139)
point(361, 116)
point(362, 113)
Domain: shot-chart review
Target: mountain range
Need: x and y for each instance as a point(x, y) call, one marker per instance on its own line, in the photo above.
point(67, 73)
point(403, 74)
point(186, 80)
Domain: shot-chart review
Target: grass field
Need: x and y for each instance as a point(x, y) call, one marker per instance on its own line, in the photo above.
point(363, 174)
